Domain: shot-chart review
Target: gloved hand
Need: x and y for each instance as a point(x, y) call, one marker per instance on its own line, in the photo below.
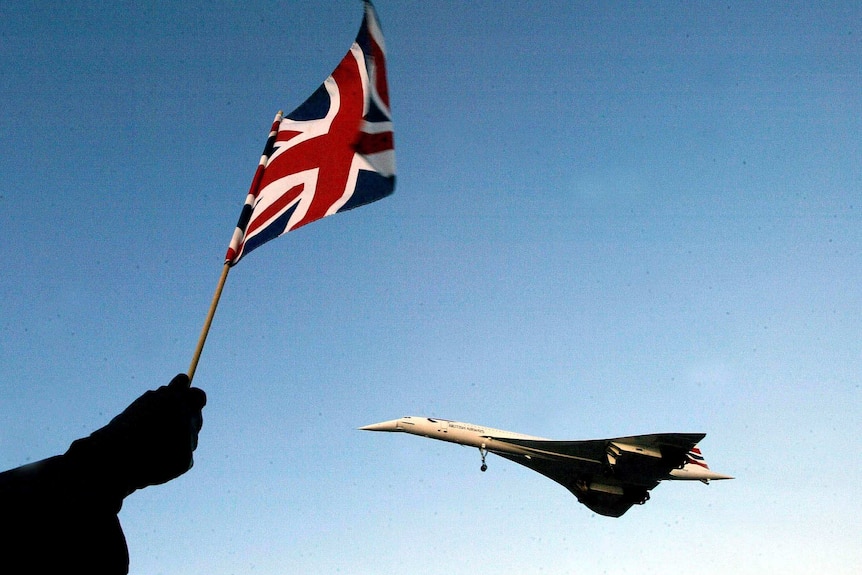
point(149, 443)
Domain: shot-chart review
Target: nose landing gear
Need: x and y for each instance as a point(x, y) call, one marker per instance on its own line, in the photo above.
point(483, 452)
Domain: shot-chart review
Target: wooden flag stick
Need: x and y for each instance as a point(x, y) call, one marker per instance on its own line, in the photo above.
point(206, 329)
point(236, 241)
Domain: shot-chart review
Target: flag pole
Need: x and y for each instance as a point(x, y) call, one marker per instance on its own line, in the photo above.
point(236, 242)
point(208, 322)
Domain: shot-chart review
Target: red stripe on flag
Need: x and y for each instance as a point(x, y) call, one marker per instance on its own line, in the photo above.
point(285, 135)
point(374, 143)
point(282, 202)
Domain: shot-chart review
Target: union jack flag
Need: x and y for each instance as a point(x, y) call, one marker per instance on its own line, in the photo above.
point(333, 153)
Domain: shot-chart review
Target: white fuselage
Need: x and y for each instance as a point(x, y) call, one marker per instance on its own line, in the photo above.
point(455, 432)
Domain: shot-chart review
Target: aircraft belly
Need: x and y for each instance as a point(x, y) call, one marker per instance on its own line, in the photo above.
point(462, 437)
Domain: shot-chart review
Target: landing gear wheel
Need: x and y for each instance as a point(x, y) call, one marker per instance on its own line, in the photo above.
point(484, 467)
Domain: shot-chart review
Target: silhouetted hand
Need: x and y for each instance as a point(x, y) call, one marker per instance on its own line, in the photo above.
point(59, 515)
point(149, 443)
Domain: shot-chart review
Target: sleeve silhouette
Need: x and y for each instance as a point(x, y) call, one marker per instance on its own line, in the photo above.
point(60, 514)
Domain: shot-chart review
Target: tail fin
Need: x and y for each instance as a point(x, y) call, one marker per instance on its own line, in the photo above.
point(695, 468)
point(695, 457)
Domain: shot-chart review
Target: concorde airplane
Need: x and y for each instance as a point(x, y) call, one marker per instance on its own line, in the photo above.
point(606, 475)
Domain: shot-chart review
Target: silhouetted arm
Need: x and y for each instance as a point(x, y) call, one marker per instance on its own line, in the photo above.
point(60, 514)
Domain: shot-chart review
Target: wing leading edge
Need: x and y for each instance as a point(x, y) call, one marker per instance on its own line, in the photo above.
point(606, 475)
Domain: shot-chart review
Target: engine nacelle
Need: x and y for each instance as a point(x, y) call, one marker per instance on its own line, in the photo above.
point(617, 450)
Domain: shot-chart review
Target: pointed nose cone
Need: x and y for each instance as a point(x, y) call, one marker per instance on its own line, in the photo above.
point(382, 426)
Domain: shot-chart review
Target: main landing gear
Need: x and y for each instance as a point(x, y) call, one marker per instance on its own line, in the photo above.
point(483, 452)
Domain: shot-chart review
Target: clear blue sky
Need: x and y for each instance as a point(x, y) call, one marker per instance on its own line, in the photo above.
point(610, 218)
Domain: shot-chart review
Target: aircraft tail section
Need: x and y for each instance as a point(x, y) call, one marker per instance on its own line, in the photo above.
point(696, 468)
point(695, 457)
